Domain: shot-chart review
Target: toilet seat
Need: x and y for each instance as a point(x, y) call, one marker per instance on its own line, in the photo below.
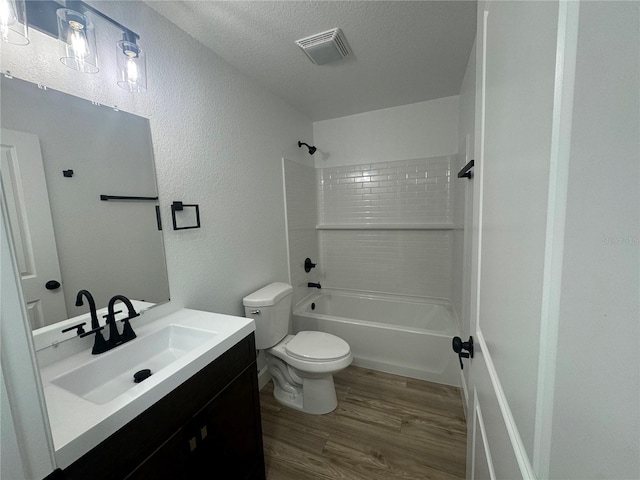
point(307, 365)
point(317, 346)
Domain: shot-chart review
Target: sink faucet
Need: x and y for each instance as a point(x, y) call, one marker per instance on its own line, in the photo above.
point(99, 344)
point(314, 285)
point(92, 307)
point(116, 338)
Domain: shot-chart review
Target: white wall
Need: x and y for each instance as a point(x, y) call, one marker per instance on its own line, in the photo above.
point(419, 130)
point(218, 141)
point(596, 416)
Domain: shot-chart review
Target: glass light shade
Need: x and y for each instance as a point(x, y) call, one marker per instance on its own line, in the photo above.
point(13, 22)
point(132, 66)
point(77, 37)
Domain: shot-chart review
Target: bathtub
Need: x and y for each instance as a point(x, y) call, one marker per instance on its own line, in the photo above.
point(408, 336)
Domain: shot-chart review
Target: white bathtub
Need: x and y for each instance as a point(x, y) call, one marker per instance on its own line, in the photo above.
point(403, 335)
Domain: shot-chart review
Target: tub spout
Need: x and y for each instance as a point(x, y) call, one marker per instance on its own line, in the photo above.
point(314, 285)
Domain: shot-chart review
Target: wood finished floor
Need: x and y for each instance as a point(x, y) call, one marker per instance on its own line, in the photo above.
point(385, 427)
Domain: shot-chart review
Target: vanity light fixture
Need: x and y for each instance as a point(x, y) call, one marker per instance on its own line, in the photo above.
point(72, 24)
point(132, 65)
point(78, 49)
point(13, 22)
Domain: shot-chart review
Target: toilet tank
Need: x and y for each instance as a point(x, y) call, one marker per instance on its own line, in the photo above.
point(270, 308)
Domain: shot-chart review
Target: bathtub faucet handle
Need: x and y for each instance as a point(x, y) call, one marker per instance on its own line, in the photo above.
point(308, 265)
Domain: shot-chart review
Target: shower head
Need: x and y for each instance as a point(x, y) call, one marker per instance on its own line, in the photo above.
point(311, 148)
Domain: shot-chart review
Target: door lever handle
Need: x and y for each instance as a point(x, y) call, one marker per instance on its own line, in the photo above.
point(458, 346)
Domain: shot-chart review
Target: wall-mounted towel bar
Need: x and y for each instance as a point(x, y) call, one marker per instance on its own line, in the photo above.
point(106, 198)
point(466, 171)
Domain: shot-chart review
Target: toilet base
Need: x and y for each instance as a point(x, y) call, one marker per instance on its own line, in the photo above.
point(317, 396)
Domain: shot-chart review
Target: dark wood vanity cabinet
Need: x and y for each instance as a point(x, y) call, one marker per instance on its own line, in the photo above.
point(208, 428)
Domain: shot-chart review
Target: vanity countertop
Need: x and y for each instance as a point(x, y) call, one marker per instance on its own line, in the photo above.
point(78, 425)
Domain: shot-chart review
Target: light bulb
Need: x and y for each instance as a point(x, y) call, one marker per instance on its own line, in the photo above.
point(78, 43)
point(131, 71)
point(131, 66)
point(8, 16)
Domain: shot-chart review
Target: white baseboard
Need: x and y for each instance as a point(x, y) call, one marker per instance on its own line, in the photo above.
point(263, 377)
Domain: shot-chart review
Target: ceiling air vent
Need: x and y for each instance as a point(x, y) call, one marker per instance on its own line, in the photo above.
point(325, 47)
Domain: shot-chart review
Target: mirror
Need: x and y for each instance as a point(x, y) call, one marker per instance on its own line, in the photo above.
point(59, 155)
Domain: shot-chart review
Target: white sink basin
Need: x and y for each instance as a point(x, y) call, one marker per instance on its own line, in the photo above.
point(90, 397)
point(110, 374)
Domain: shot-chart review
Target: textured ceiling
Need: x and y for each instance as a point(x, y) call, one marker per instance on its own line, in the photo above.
point(403, 51)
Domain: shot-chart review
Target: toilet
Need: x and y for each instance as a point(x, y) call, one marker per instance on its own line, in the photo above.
point(301, 365)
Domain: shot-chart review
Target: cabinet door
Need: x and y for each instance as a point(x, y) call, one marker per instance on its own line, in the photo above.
point(165, 463)
point(229, 433)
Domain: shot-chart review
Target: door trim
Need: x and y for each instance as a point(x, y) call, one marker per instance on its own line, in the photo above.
point(566, 51)
point(526, 468)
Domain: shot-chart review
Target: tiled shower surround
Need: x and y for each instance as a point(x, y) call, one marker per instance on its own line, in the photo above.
point(406, 191)
point(384, 227)
point(414, 194)
point(406, 262)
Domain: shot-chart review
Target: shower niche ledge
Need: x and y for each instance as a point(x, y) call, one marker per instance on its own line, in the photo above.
point(385, 226)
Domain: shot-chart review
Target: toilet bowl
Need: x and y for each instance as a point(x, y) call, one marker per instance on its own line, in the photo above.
point(301, 365)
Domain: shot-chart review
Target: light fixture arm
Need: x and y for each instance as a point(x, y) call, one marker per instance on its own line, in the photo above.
point(41, 15)
point(71, 24)
point(82, 7)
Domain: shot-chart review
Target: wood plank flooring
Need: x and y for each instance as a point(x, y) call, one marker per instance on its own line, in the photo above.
point(385, 427)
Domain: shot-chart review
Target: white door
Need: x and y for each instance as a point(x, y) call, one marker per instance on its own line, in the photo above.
point(25, 192)
point(521, 50)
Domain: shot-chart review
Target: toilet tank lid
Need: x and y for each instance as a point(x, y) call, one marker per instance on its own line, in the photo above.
point(267, 296)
